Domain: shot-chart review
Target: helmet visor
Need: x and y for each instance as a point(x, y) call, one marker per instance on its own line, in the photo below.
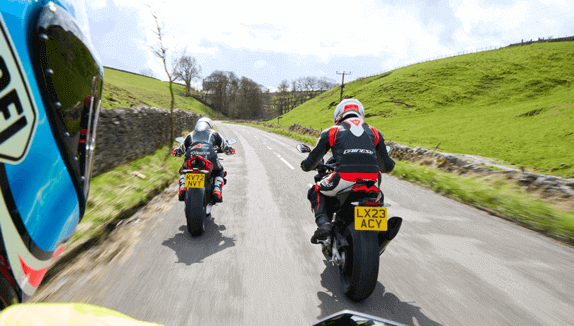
point(73, 80)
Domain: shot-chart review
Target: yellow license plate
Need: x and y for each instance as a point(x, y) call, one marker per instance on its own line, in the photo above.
point(371, 218)
point(194, 180)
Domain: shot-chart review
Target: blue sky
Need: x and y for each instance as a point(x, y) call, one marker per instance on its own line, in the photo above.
point(268, 41)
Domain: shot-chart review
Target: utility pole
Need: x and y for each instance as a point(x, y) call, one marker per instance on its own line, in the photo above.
point(342, 82)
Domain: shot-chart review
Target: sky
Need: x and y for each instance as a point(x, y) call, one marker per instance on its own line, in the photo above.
point(271, 41)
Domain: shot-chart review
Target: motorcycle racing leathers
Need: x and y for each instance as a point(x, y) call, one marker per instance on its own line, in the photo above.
point(204, 141)
point(359, 152)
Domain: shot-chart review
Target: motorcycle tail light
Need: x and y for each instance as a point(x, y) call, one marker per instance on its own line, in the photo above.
point(200, 162)
point(364, 188)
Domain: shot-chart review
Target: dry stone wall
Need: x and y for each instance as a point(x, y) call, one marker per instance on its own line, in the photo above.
point(126, 134)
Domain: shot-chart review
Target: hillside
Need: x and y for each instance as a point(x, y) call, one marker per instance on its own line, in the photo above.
point(122, 89)
point(514, 104)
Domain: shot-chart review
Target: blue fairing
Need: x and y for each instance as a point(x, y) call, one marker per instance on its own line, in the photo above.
point(41, 185)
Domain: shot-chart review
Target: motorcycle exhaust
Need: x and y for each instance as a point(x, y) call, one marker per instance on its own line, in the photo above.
point(385, 237)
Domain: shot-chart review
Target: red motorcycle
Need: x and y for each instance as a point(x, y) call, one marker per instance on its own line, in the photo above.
point(361, 232)
point(199, 182)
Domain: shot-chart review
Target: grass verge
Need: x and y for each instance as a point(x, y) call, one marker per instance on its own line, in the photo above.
point(118, 193)
point(493, 194)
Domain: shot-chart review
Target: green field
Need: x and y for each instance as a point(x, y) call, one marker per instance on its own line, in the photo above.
point(514, 104)
point(124, 90)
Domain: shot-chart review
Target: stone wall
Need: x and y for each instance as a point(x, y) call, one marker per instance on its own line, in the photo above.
point(127, 134)
point(547, 185)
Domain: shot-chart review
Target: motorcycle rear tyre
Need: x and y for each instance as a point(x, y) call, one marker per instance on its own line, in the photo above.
point(361, 269)
point(195, 211)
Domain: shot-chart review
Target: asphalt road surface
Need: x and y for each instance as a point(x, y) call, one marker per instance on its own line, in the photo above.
point(450, 264)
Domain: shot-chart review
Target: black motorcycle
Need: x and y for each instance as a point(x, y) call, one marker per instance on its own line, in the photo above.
point(199, 183)
point(361, 232)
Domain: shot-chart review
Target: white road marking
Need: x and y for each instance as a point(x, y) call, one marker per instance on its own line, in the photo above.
point(291, 148)
point(284, 161)
point(289, 165)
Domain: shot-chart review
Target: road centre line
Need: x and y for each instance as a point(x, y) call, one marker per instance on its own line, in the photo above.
point(289, 165)
point(284, 145)
point(284, 161)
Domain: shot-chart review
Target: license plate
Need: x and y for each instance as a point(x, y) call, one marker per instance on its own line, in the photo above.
point(371, 218)
point(194, 180)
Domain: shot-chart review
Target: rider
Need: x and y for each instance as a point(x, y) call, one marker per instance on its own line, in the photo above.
point(204, 138)
point(359, 151)
point(50, 94)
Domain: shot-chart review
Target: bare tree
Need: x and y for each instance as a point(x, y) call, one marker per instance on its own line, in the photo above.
point(187, 69)
point(160, 51)
point(147, 72)
point(325, 84)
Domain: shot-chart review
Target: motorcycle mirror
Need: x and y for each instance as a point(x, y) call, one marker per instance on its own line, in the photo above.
point(231, 141)
point(303, 148)
point(180, 140)
point(350, 317)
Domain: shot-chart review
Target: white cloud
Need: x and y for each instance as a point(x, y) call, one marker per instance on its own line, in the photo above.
point(318, 37)
point(260, 64)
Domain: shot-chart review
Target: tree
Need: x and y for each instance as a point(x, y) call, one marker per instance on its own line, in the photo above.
point(215, 86)
point(249, 99)
point(283, 91)
point(187, 69)
point(160, 51)
point(147, 72)
point(325, 84)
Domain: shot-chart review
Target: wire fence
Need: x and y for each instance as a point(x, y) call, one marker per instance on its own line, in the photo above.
point(484, 49)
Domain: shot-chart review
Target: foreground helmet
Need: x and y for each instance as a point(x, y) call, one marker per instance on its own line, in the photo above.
point(50, 90)
point(347, 107)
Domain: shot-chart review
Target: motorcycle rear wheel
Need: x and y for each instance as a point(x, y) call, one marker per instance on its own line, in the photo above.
point(361, 269)
point(195, 212)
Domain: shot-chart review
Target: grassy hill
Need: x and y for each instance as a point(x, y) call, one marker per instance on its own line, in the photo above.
point(514, 104)
point(122, 89)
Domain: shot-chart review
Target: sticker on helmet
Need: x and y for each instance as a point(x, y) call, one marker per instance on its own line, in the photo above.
point(17, 110)
point(351, 107)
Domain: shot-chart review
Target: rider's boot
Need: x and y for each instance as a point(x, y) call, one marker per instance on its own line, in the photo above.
point(217, 186)
point(323, 221)
point(182, 188)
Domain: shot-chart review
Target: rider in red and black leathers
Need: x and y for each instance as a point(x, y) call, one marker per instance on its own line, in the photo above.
point(359, 151)
point(203, 141)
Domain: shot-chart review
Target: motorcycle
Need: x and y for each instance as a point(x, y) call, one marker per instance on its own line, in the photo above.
point(361, 232)
point(199, 183)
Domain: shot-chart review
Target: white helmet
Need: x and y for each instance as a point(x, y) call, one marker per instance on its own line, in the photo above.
point(346, 107)
point(206, 120)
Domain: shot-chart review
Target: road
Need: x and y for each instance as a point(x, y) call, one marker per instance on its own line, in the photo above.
point(451, 264)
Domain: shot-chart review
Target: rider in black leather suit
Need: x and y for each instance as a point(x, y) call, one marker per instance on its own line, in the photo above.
point(204, 141)
point(359, 151)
